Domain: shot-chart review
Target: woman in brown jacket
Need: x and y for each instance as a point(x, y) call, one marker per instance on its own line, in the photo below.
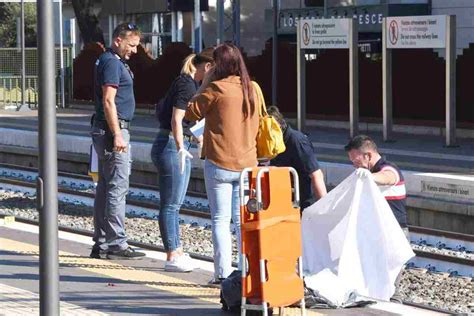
point(229, 145)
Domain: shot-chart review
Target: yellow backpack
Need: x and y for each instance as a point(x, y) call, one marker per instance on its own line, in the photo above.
point(269, 137)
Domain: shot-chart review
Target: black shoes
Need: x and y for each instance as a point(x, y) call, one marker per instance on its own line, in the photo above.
point(125, 254)
point(128, 253)
point(97, 253)
point(396, 299)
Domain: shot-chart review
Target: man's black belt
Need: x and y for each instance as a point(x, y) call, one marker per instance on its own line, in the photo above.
point(122, 124)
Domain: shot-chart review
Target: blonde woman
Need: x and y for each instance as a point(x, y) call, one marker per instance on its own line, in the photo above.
point(171, 157)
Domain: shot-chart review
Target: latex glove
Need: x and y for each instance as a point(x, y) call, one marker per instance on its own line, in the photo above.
point(363, 173)
point(199, 149)
point(182, 155)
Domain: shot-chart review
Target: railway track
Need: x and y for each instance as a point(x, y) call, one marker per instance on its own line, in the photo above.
point(437, 251)
point(144, 200)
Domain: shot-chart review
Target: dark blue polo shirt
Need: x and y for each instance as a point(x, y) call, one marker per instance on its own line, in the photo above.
point(300, 155)
point(111, 70)
point(179, 94)
point(394, 194)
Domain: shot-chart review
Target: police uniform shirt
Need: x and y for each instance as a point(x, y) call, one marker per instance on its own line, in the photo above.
point(300, 155)
point(112, 71)
point(182, 89)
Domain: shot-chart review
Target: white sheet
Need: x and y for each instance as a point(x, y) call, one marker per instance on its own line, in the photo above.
point(353, 232)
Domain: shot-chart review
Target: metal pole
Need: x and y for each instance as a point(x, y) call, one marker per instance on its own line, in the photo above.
point(47, 198)
point(193, 33)
point(451, 80)
point(387, 109)
point(179, 25)
point(236, 19)
point(23, 63)
point(300, 82)
point(220, 22)
point(197, 26)
point(61, 54)
point(73, 39)
point(173, 26)
point(325, 8)
point(353, 79)
point(111, 29)
point(276, 10)
point(124, 11)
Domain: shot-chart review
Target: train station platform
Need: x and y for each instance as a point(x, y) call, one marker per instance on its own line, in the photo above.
point(439, 179)
point(418, 148)
point(123, 287)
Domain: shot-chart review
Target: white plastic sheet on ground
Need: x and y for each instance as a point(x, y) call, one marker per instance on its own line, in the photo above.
point(353, 232)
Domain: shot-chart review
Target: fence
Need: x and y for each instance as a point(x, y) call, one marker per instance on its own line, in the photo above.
point(10, 77)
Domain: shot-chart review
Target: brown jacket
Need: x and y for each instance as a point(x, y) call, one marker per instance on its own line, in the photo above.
point(229, 137)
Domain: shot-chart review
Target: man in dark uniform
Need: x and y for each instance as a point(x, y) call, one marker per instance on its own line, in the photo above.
point(300, 155)
point(363, 153)
point(114, 105)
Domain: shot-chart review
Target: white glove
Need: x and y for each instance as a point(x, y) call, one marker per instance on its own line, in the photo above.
point(199, 149)
point(182, 155)
point(363, 173)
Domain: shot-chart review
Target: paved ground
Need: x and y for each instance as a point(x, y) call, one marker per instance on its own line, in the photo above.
point(127, 287)
point(112, 287)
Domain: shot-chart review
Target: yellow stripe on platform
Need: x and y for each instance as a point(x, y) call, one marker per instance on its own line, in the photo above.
point(120, 272)
point(117, 271)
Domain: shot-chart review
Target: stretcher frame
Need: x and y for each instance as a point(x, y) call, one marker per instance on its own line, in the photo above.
point(244, 197)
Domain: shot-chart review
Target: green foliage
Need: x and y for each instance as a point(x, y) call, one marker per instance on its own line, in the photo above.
point(9, 12)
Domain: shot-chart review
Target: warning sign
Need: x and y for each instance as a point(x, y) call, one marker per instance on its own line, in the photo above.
point(324, 33)
point(416, 31)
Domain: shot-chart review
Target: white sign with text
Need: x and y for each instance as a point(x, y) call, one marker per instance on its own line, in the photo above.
point(416, 31)
point(324, 33)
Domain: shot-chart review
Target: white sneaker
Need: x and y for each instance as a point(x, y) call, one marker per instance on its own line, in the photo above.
point(182, 263)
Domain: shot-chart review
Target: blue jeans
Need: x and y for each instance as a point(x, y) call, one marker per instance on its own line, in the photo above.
point(222, 188)
point(173, 186)
point(111, 191)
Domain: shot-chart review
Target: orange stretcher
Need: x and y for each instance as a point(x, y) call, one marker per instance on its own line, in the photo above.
point(272, 272)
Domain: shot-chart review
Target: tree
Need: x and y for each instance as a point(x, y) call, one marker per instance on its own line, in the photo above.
point(9, 12)
point(88, 21)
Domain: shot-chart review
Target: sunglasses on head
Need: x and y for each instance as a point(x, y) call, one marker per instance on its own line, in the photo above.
point(132, 27)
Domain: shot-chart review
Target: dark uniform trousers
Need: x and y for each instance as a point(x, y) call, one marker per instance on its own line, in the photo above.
point(112, 188)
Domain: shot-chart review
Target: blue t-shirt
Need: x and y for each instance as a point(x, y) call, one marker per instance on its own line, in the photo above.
point(111, 70)
point(299, 154)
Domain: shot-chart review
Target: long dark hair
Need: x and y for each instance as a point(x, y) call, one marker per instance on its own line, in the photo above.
point(229, 62)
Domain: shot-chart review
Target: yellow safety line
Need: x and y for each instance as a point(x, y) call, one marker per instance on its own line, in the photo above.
point(120, 272)
point(117, 271)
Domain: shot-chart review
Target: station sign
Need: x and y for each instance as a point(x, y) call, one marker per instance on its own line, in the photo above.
point(368, 22)
point(368, 17)
point(324, 33)
point(416, 31)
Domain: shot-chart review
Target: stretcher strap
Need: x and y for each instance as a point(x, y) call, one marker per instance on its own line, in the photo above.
point(265, 223)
